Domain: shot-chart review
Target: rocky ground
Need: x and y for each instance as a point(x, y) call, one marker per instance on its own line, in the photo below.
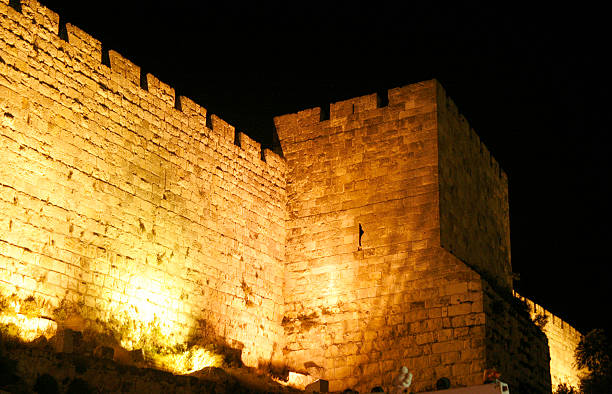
point(37, 367)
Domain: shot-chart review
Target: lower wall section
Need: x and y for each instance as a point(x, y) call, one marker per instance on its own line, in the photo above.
point(425, 312)
point(36, 368)
point(429, 312)
point(562, 341)
point(515, 346)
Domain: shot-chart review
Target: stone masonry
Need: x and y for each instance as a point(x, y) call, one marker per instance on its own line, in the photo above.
point(377, 199)
point(110, 196)
point(562, 341)
point(379, 238)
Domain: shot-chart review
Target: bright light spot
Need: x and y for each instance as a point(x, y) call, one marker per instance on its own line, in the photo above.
point(147, 318)
point(30, 328)
point(22, 318)
point(297, 380)
point(189, 361)
point(144, 317)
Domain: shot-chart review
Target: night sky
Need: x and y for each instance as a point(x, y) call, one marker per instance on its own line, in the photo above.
point(532, 82)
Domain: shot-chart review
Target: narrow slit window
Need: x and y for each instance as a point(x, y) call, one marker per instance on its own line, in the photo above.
point(361, 232)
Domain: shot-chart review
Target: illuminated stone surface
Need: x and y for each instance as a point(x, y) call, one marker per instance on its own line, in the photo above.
point(419, 184)
point(562, 341)
point(112, 198)
point(124, 200)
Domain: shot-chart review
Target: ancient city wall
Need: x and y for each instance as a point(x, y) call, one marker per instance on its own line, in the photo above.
point(562, 342)
point(132, 205)
point(515, 345)
point(380, 240)
point(358, 307)
point(474, 214)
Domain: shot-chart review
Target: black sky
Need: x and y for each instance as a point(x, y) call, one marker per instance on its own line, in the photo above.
point(532, 81)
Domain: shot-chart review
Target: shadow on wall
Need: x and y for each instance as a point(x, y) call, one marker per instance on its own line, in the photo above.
point(516, 344)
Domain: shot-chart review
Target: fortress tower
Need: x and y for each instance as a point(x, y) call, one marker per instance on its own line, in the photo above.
point(396, 215)
point(379, 238)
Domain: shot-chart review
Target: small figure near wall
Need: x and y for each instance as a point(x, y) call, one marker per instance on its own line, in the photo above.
point(490, 376)
point(402, 382)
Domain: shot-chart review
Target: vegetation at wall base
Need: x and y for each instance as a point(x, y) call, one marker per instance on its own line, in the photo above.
point(594, 353)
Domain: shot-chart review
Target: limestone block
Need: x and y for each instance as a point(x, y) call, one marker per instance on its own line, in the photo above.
point(460, 309)
point(84, 42)
point(319, 386)
point(249, 145)
point(160, 90)
point(309, 117)
point(222, 128)
point(40, 14)
point(195, 112)
point(124, 67)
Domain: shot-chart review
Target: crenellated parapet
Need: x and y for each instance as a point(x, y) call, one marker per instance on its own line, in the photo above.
point(389, 106)
point(90, 53)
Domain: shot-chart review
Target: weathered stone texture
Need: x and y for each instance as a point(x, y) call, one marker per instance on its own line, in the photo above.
point(474, 214)
point(515, 346)
point(111, 197)
point(362, 310)
point(562, 342)
point(381, 239)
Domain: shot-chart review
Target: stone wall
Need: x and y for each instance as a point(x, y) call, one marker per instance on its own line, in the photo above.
point(381, 241)
point(358, 307)
point(515, 346)
point(121, 198)
point(562, 342)
point(474, 213)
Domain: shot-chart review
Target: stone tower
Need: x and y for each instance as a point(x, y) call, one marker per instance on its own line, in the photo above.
point(396, 215)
